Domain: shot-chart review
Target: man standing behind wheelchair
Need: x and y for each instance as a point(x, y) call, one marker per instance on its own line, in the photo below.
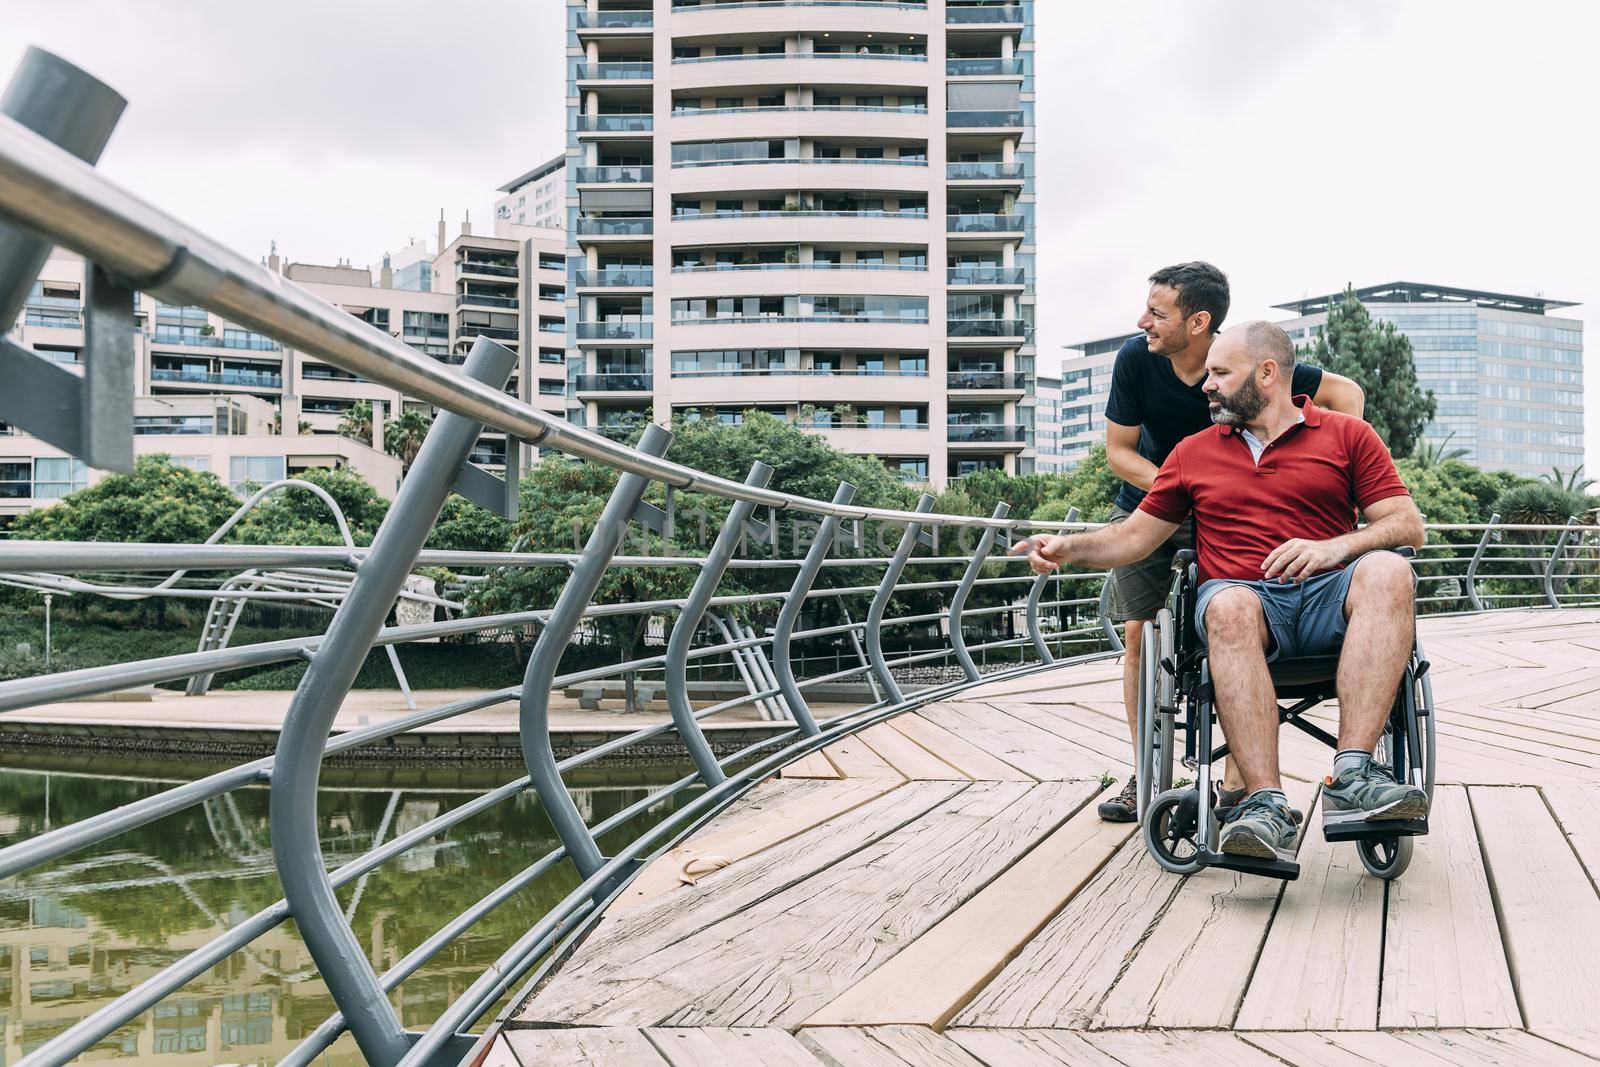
point(1156, 401)
point(1273, 489)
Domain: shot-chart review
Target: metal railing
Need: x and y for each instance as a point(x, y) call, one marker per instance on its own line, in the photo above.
point(49, 196)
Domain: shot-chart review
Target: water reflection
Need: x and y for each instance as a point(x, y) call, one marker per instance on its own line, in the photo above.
point(93, 925)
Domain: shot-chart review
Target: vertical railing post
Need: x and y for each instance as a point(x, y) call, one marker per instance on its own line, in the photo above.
point(1555, 559)
point(742, 664)
point(783, 632)
point(958, 601)
point(534, 718)
point(1035, 592)
point(694, 610)
point(880, 602)
point(763, 665)
point(297, 765)
point(1471, 581)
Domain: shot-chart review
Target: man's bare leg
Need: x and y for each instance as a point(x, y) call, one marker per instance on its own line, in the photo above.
point(1236, 639)
point(1379, 635)
point(1132, 642)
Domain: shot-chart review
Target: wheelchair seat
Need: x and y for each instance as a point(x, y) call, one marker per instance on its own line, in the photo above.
point(1307, 670)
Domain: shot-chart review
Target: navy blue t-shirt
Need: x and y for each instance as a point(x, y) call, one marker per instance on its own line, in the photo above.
point(1147, 393)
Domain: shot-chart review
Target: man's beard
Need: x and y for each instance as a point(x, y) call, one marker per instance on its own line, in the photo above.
point(1236, 410)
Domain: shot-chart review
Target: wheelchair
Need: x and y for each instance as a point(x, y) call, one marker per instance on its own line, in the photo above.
point(1176, 706)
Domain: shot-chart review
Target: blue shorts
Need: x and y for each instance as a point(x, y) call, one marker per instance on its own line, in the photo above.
point(1303, 618)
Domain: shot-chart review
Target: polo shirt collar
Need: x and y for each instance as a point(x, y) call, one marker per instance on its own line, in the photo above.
point(1310, 414)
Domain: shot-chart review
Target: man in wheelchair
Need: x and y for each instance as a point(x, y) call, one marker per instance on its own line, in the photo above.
point(1284, 574)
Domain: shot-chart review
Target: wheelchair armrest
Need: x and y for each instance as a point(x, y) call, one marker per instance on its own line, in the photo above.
point(1182, 559)
point(1407, 551)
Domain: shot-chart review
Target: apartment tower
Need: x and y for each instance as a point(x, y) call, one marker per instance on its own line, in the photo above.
point(823, 211)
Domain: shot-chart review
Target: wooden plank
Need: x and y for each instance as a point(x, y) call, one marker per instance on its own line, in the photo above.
point(1032, 1048)
point(1192, 969)
point(811, 765)
point(1416, 1048)
point(1319, 966)
point(1060, 978)
point(584, 1047)
point(855, 760)
point(1577, 811)
point(1443, 963)
point(763, 828)
point(885, 1046)
point(661, 922)
point(937, 974)
point(1549, 912)
point(960, 753)
point(1185, 1049)
point(1040, 753)
point(1075, 725)
point(716, 1047)
point(908, 757)
point(1585, 1041)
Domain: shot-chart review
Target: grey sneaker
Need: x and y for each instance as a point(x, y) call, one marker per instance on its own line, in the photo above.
point(1228, 799)
point(1124, 807)
point(1261, 827)
point(1369, 793)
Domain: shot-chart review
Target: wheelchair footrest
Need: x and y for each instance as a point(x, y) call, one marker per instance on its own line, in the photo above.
point(1375, 831)
point(1282, 869)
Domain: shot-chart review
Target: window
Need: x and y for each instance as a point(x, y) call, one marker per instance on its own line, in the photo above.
point(16, 479)
point(770, 205)
point(194, 463)
point(826, 100)
point(730, 101)
point(55, 478)
point(552, 261)
point(552, 355)
point(257, 469)
point(549, 387)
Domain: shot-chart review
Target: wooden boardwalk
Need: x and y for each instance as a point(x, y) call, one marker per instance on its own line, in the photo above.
point(939, 891)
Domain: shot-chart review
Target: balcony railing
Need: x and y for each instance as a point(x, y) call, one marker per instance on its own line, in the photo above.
point(251, 381)
point(810, 160)
point(615, 227)
point(621, 277)
point(967, 15)
point(808, 213)
point(961, 172)
point(987, 379)
point(983, 119)
point(956, 68)
point(200, 340)
point(615, 382)
point(484, 300)
point(985, 328)
point(615, 71)
point(713, 268)
point(985, 276)
point(904, 57)
point(985, 224)
point(495, 270)
point(499, 333)
point(612, 20)
point(788, 372)
point(756, 320)
point(739, 5)
point(633, 174)
point(902, 109)
point(981, 432)
point(615, 123)
point(859, 424)
point(616, 330)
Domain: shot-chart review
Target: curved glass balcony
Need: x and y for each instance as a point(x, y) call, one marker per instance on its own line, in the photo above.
point(985, 328)
point(614, 123)
point(983, 119)
point(956, 68)
point(621, 277)
point(633, 174)
point(985, 432)
point(614, 71)
point(985, 224)
point(955, 16)
point(612, 20)
point(616, 330)
point(615, 382)
point(961, 172)
point(985, 276)
point(987, 379)
point(615, 227)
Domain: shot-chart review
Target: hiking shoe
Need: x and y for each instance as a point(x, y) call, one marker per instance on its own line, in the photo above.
point(1228, 799)
point(1369, 793)
point(1124, 807)
point(1260, 827)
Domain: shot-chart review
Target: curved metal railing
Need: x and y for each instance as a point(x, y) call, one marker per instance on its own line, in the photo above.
point(50, 197)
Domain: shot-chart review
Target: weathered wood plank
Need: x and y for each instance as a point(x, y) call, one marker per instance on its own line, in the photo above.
point(1040, 685)
point(717, 1047)
point(960, 753)
point(1075, 725)
point(811, 765)
point(1548, 909)
point(1180, 1049)
point(1319, 966)
point(1416, 1048)
point(885, 1046)
point(1577, 811)
point(1032, 1048)
point(937, 974)
point(1060, 978)
point(661, 922)
point(1586, 1042)
point(762, 828)
point(1443, 963)
point(855, 760)
point(908, 757)
point(612, 1046)
point(1040, 753)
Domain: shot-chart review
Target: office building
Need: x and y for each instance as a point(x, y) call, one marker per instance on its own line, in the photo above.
point(1507, 375)
point(821, 211)
point(1085, 388)
point(537, 198)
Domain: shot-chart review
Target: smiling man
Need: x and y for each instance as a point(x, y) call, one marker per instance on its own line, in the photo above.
point(1156, 401)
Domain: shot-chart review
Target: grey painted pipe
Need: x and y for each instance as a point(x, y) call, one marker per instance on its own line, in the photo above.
point(880, 601)
point(783, 632)
point(683, 630)
point(1555, 558)
point(1039, 644)
point(1471, 580)
point(69, 108)
point(534, 718)
point(297, 764)
point(958, 600)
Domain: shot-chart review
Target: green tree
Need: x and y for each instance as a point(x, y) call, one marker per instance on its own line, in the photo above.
point(465, 527)
point(1090, 487)
point(1429, 454)
point(1378, 358)
point(356, 422)
point(1023, 492)
point(158, 502)
point(403, 436)
point(297, 517)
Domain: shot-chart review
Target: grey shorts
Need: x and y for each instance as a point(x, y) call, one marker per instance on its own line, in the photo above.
point(1139, 590)
point(1303, 618)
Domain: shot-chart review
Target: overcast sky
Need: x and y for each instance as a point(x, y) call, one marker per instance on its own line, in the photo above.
point(1298, 144)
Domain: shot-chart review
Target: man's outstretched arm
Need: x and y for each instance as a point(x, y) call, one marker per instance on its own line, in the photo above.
point(1122, 543)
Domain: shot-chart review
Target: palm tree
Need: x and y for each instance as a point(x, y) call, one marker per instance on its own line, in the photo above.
point(403, 435)
point(356, 422)
point(1429, 454)
point(1572, 483)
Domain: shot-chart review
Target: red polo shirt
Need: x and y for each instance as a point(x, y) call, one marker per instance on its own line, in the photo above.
point(1308, 485)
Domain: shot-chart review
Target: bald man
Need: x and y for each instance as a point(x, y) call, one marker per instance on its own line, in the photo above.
point(1273, 487)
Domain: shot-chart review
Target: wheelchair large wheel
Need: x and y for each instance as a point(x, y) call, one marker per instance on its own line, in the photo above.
point(1170, 830)
point(1386, 857)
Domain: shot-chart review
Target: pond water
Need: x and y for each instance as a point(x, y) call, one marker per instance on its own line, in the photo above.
point(89, 927)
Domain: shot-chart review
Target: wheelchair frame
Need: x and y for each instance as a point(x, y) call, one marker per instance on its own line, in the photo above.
point(1176, 695)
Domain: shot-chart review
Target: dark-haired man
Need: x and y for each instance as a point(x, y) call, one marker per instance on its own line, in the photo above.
point(1156, 401)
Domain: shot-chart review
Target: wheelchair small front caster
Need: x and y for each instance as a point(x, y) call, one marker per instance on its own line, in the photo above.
point(1169, 830)
point(1385, 857)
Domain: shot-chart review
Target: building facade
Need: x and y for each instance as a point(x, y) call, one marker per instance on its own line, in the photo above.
point(820, 211)
point(537, 198)
point(1507, 375)
point(1085, 388)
